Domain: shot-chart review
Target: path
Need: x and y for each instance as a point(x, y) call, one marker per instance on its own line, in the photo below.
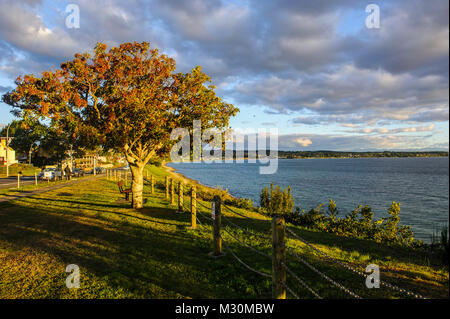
point(11, 182)
point(7, 198)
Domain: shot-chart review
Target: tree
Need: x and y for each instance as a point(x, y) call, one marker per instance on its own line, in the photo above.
point(53, 149)
point(127, 99)
point(332, 209)
point(277, 201)
point(25, 137)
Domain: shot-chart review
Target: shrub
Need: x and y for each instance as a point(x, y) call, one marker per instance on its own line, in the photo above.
point(244, 203)
point(155, 162)
point(358, 223)
point(444, 244)
point(277, 201)
point(208, 194)
point(332, 209)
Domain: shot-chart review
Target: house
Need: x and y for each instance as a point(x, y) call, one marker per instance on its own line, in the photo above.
point(87, 161)
point(11, 156)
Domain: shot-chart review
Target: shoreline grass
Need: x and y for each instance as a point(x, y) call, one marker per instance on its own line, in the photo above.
point(152, 253)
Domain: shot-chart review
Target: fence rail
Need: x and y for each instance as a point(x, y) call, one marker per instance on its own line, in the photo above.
point(280, 270)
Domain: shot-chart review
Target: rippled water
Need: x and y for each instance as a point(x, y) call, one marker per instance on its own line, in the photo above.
point(419, 184)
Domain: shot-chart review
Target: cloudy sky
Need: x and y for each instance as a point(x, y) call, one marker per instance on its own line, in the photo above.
point(312, 69)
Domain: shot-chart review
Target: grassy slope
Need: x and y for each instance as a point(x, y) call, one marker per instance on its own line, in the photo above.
point(27, 188)
point(152, 253)
point(13, 169)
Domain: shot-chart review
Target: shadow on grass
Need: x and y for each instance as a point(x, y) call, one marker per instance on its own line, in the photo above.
point(108, 208)
point(149, 253)
point(149, 261)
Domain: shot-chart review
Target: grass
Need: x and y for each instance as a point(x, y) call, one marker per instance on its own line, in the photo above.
point(28, 188)
point(152, 253)
point(25, 169)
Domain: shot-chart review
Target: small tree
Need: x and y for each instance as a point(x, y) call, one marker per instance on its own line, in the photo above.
point(264, 197)
point(332, 209)
point(25, 137)
point(391, 225)
point(127, 99)
point(277, 201)
point(367, 214)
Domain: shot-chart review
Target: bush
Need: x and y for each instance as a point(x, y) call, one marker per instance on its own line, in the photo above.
point(444, 244)
point(209, 194)
point(277, 201)
point(358, 223)
point(381, 230)
point(155, 162)
point(244, 203)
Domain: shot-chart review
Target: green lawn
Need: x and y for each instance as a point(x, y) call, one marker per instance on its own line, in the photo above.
point(28, 188)
point(25, 169)
point(151, 253)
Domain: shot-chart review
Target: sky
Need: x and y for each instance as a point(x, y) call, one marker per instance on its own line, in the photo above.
point(311, 69)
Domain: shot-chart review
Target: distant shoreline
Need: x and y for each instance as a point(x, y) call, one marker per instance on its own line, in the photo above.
point(343, 154)
point(187, 180)
point(301, 158)
point(362, 157)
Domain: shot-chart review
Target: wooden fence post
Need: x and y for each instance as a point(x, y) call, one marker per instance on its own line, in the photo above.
point(167, 187)
point(172, 192)
point(278, 258)
point(152, 181)
point(180, 197)
point(193, 207)
point(126, 177)
point(18, 180)
point(35, 178)
point(216, 229)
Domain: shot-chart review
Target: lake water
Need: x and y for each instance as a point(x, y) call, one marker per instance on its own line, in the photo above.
point(420, 185)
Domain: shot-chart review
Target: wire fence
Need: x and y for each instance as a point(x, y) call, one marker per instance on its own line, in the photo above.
point(231, 229)
point(322, 274)
point(383, 283)
point(246, 230)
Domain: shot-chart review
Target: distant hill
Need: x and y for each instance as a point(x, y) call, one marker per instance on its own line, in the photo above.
point(340, 154)
point(337, 154)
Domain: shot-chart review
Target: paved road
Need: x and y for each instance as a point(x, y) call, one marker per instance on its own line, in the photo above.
point(11, 182)
point(7, 198)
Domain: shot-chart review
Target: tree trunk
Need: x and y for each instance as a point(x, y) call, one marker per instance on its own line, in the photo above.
point(29, 154)
point(137, 185)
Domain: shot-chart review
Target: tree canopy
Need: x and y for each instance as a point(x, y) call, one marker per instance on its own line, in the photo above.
point(128, 99)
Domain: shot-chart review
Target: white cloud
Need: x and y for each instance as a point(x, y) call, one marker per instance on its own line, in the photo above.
point(304, 141)
point(286, 56)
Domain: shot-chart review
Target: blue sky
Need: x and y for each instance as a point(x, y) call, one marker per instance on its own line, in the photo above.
point(311, 69)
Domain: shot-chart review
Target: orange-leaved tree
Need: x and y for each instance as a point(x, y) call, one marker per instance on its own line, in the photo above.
point(128, 99)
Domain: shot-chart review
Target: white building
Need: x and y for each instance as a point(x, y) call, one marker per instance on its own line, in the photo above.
point(6, 153)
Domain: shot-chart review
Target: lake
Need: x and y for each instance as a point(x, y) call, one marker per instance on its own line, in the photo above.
point(420, 185)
